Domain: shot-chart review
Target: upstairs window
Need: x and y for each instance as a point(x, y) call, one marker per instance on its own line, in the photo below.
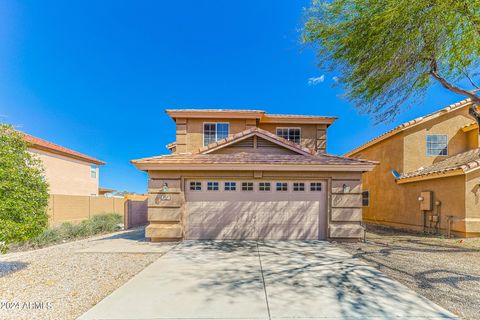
point(214, 131)
point(437, 145)
point(93, 171)
point(291, 134)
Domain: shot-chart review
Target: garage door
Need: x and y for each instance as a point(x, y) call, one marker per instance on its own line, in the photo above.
point(234, 209)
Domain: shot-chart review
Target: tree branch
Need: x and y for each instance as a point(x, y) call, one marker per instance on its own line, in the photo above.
point(453, 88)
point(471, 81)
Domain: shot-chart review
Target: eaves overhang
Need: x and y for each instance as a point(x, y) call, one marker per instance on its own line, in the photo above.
point(214, 113)
point(248, 167)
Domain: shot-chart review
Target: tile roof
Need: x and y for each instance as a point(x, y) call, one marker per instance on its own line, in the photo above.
point(253, 158)
point(41, 144)
point(465, 161)
point(250, 132)
point(411, 123)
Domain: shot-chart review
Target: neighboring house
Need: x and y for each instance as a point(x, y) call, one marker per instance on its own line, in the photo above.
point(67, 172)
point(245, 174)
point(437, 154)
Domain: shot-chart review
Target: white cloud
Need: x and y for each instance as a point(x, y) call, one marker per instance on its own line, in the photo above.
point(317, 80)
point(335, 78)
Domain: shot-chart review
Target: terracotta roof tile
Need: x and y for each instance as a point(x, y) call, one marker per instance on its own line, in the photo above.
point(41, 144)
point(465, 161)
point(253, 158)
point(403, 126)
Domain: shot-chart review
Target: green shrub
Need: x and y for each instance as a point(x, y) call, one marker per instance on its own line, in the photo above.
point(23, 190)
point(98, 224)
point(47, 237)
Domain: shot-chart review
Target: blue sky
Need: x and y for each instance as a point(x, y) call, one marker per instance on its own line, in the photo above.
point(96, 76)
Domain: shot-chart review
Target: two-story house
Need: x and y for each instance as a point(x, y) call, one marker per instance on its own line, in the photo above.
point(429, 174)
point(245, 174)
point(67, 172)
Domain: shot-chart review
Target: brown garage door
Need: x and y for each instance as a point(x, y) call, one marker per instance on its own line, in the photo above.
point(234, 209)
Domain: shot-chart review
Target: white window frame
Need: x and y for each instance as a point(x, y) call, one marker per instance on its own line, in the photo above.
point(216, 130)
point(426, 145)
point(290, 128)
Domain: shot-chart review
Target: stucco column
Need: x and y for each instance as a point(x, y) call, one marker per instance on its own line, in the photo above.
point(165, 209)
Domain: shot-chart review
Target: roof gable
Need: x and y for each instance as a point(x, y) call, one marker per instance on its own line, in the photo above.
point(410, 124)
point(259, 133)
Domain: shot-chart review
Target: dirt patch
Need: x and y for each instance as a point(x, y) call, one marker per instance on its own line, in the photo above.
point(443, 270)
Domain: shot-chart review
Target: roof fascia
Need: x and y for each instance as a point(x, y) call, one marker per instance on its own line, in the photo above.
point(246, 166)
point(205, 114)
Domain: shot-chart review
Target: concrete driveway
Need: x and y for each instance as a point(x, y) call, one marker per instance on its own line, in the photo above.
point(262, 280)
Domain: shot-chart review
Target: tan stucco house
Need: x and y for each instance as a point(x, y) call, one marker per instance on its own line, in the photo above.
point(67, 172)
point(429, 174)
point(245, 174)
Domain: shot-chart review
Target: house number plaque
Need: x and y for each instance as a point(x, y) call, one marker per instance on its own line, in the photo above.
point(163, 197)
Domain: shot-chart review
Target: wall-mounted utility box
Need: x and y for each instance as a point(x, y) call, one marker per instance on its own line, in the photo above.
point(426, 202)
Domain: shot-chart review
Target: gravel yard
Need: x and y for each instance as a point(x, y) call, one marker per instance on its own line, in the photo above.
point(64, 281)
point(446, 271)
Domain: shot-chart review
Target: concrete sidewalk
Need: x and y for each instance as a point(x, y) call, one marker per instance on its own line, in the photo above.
point(262, 280)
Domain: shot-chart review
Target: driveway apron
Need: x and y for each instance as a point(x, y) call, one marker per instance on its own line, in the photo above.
point(262, 280)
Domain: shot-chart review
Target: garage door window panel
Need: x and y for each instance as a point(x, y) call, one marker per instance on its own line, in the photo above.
point(264, 186)
point(230, 186)
point(282, 186)
point(316, 186)
point(195, 186)
point(212, 186)
point(247, 186)
point(298, 186)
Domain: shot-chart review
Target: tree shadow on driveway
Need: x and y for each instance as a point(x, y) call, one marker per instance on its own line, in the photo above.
point(309, 279)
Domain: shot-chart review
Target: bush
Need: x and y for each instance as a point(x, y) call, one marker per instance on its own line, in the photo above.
point(98, 224)
point(23, 190)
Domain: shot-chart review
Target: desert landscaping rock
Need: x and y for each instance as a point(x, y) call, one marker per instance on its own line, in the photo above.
point(443, 270)
point(60, 282)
